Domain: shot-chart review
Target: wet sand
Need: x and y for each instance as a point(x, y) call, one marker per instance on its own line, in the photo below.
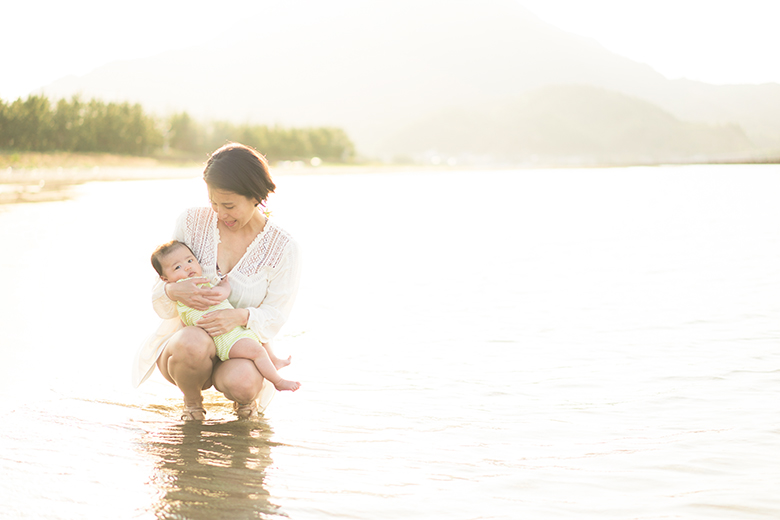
point(48, 184)
point(40, 177)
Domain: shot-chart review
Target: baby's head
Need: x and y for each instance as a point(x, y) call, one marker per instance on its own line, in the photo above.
point(174, 261)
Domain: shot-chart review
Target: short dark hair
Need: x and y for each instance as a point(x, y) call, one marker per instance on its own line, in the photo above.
point(163, 250)
point(239, 169)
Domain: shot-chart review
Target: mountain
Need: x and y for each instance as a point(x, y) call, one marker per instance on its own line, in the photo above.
point(571, 123)
point(376, 68)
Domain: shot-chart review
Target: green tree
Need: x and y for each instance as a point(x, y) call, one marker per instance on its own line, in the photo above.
point(184, 134)
point(75, 125)
point(331, 144)
point(29, 124)
point(5, 133)
point(67, 120)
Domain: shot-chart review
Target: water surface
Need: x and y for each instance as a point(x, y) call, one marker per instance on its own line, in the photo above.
point(473, 344)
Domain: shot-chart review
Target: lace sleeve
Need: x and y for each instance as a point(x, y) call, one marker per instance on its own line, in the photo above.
point(267, 318)
point(162, 305)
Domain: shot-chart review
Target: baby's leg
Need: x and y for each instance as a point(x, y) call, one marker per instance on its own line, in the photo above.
point(278, 362)
point(247, 348)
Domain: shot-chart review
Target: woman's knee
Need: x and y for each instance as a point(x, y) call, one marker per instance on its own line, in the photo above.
point(238, 379)
point(188, 359)
point(192, 343)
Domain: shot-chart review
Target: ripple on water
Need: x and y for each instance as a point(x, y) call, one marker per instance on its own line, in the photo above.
point(74, 458)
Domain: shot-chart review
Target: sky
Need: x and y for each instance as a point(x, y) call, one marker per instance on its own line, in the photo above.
point(714, 42)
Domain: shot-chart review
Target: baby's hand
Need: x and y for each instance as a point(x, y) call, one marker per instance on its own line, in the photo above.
point(224, 288)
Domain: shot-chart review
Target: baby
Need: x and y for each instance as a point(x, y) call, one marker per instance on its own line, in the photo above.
point(175, 262)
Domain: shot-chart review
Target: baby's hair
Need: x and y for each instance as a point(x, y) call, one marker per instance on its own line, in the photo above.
point(163, 250)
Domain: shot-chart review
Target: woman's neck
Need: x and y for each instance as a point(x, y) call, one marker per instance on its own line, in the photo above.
point(251, 229)
point(257, 224)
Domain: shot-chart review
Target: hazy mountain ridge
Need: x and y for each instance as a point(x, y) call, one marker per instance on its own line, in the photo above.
point(581, 124)
point(401, 61)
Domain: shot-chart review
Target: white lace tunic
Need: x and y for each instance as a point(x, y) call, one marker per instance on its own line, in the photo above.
point(264, 281)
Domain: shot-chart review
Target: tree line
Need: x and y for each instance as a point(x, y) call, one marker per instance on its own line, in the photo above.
point(40, 125)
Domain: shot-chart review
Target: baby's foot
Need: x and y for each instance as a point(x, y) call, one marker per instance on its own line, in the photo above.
point(284, 384)
point(279, 363)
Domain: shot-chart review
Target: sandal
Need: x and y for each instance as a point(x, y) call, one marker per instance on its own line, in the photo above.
point(193, 413)
point(246, 411)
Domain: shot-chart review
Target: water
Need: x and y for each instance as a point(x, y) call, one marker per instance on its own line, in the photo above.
point(485, 344)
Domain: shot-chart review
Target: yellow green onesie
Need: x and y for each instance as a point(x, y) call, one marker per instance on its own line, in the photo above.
point(224, 341)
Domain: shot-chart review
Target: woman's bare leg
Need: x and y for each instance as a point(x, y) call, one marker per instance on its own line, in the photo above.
point(238, 379)
point(250, 349)
point(188, 361)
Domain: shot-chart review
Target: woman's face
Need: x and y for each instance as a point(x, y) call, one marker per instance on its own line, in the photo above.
point(234, 211)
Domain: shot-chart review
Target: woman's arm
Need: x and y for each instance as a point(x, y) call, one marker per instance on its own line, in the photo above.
point(223, 320)
point(163, 306)
point(267, 318)
point(165, 296)
point(192, 295)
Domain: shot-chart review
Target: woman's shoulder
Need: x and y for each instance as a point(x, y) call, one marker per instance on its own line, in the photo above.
point(197, 218)
point(192, 216)
point(196, 227)
point(200, 213)
point(277, 237)
point(273, 228)
point(272, 245)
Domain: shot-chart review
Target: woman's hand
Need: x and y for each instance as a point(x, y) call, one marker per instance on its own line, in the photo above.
point(188, 293)
point(222, 321)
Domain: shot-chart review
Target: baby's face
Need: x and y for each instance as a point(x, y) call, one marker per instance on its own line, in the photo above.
point(179, 264)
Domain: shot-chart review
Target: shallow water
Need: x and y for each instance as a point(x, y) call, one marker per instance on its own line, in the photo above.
point(495, 344)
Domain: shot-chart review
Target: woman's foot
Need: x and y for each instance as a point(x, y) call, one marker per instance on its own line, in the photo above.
point(284, 384)
point(246, 411)
point(193, 413)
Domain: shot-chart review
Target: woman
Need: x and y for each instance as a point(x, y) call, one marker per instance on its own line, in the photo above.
point(232, 238)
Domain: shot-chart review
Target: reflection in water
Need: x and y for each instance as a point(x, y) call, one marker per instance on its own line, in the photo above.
point(597, 345)
point(211, 470)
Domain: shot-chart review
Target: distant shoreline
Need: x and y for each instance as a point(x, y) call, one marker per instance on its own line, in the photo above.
point(27, 161)
point(43, 177)
point(36, 176)
point(55, 160)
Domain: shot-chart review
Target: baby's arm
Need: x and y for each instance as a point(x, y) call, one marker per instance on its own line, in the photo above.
point(219, 321)
point(223, 288)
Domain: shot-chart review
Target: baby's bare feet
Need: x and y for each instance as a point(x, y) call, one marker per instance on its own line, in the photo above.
point(284, 384)
point(279, 363)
